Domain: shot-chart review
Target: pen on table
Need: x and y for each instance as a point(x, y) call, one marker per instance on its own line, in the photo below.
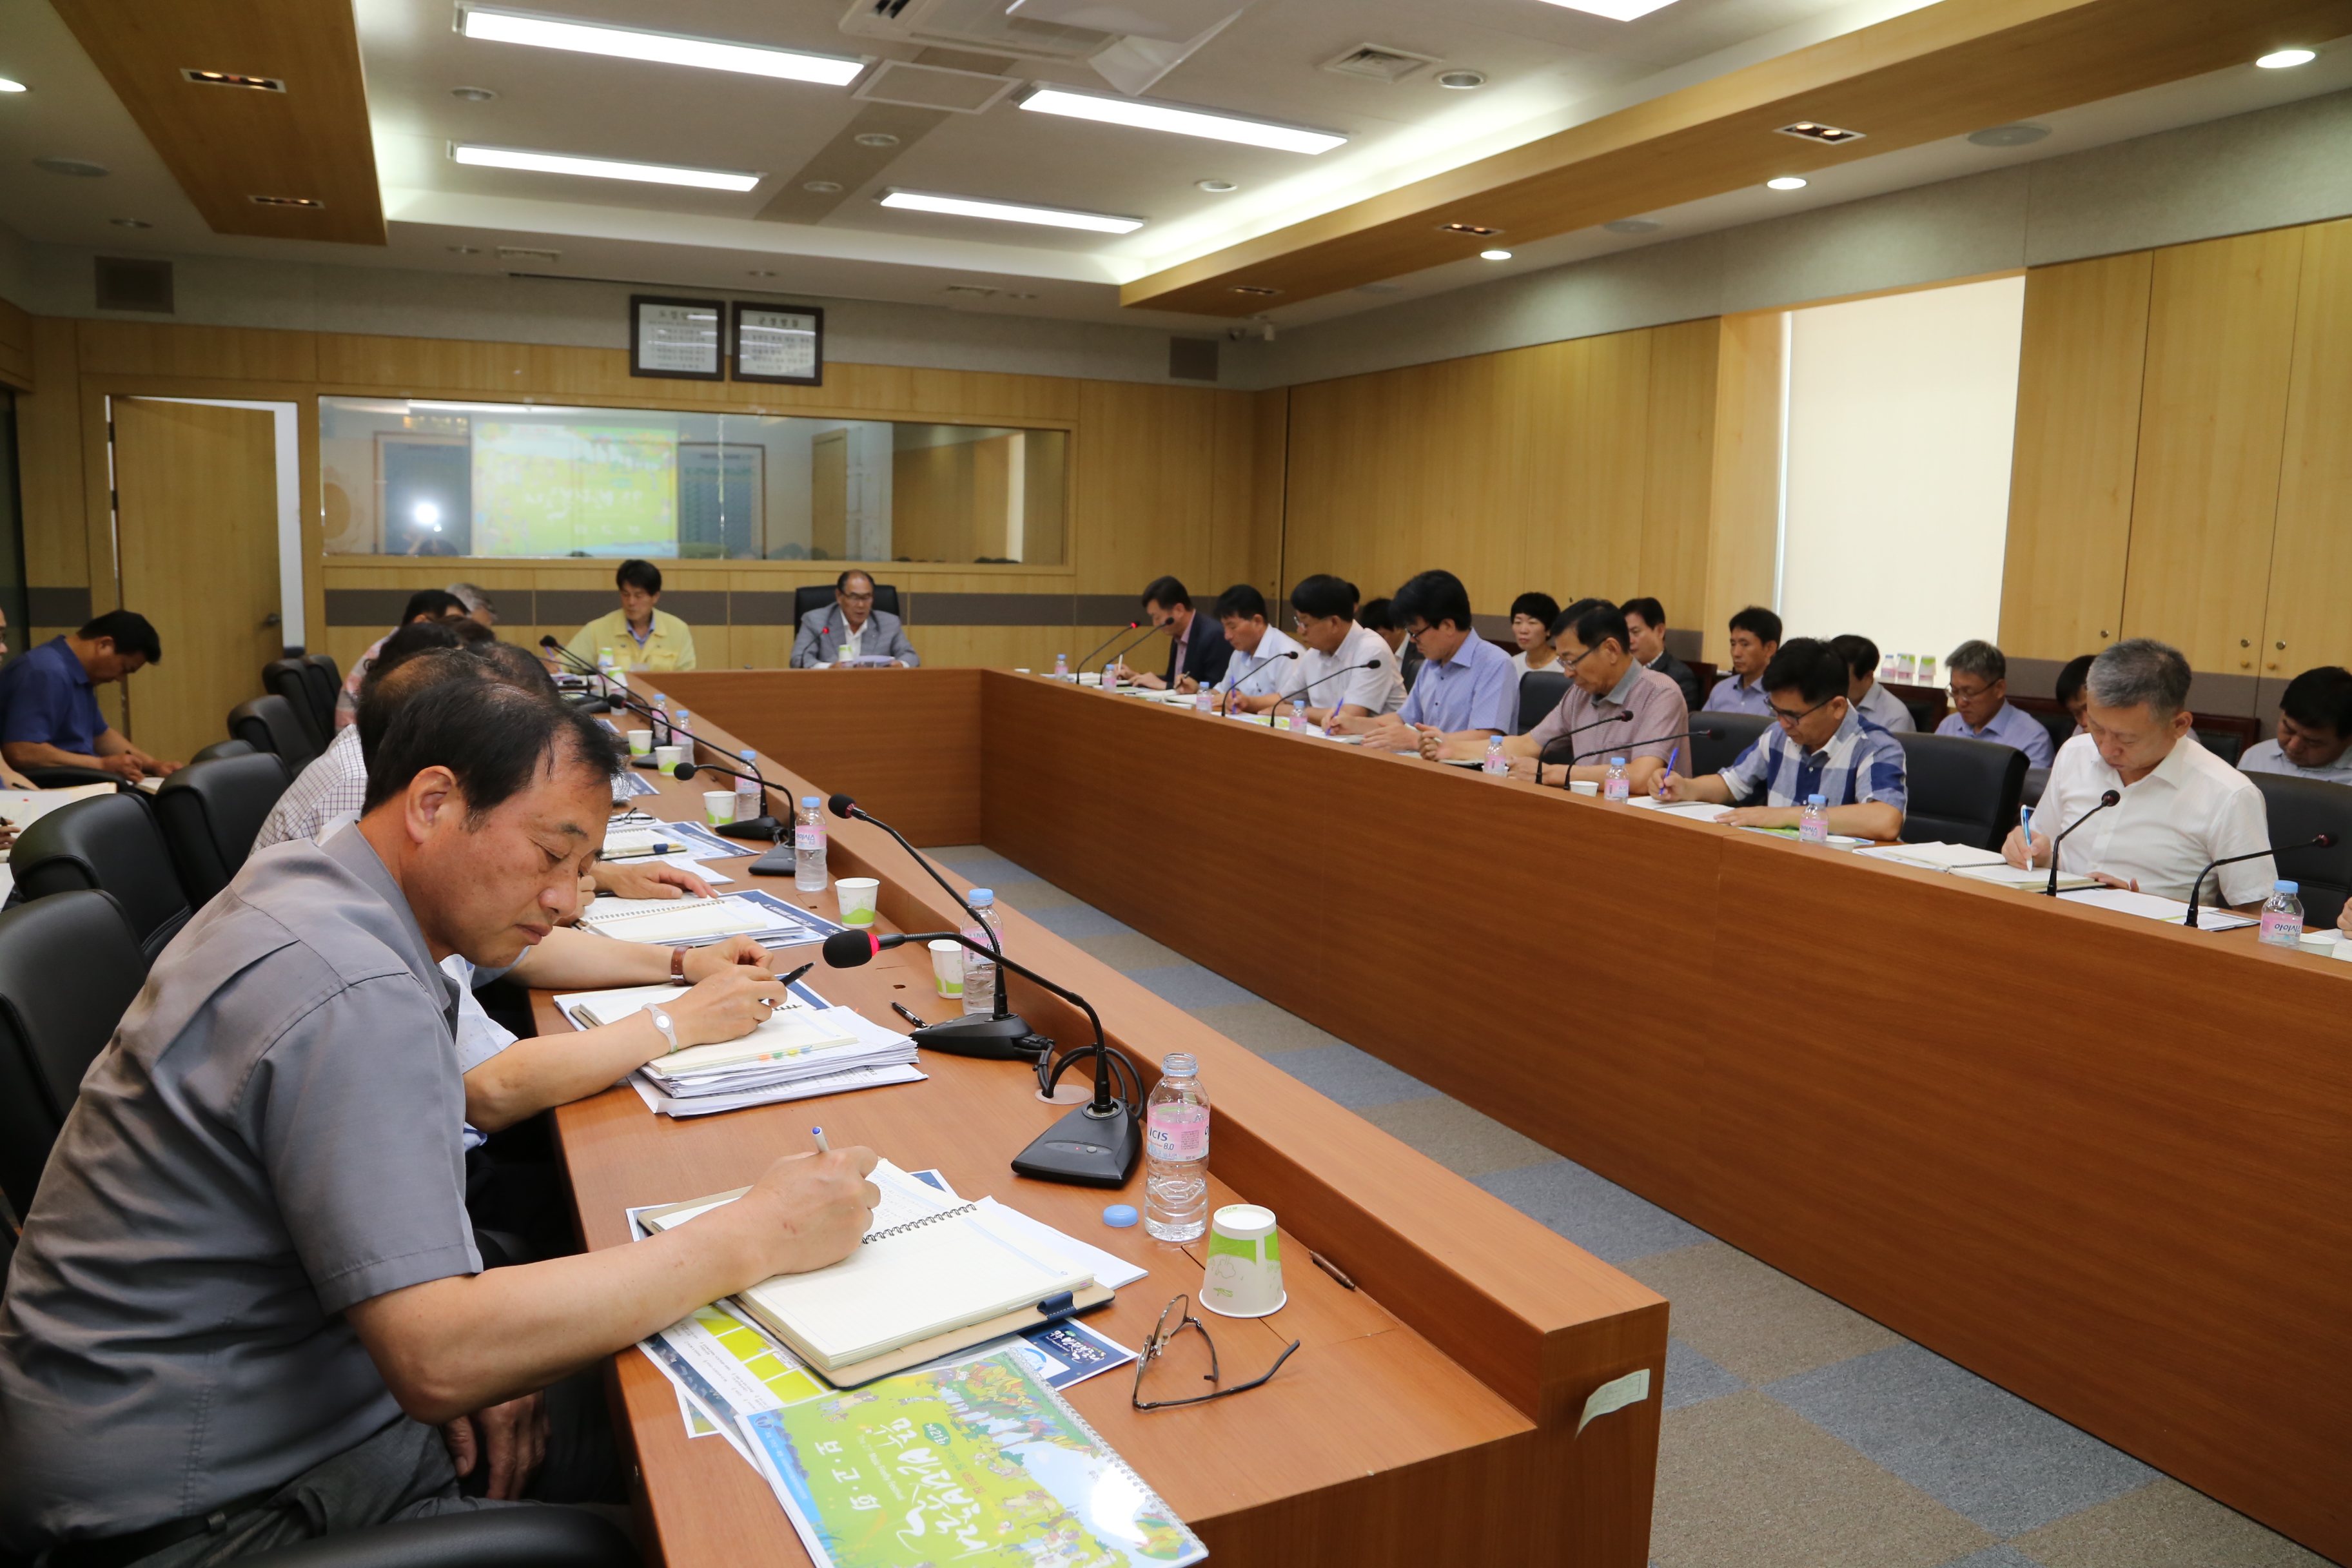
point(822, 1146)
point(910, 1015)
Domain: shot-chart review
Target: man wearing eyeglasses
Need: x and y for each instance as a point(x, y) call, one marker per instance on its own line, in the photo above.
point(851, 629)
point(1605, 681)
point(1198, 653)
point(1819, 745)
point(1978, 674)
point(1467, 690)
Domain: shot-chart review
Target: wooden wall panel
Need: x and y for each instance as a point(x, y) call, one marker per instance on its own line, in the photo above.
point(2077, 447)
point(1269, 468)
point(1163, 484)
point(2221, 340)
point(1683, 360)
point(2311, 552)
point(49, 461)
point(208, 353)
point(1744, 502)
point(15, 348)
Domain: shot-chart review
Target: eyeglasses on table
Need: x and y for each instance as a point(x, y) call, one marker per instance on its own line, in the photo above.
point(1162, 1335)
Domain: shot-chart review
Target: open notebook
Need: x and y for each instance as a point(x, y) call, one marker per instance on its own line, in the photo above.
point(932, 1275)
point(794, 1029)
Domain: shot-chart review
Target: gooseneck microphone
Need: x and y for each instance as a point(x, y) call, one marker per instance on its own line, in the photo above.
point(1544, 756)
point(1120, 656)
point(2316, 841)
point(1104, 644)
point(2106, 800)
point(1334, 674)
point(1095, 1145)
point(593, 703)
point(1234, 679)
point(762, 827)
point(1654, 740)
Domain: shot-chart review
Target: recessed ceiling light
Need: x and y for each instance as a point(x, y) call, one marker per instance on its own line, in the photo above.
point(473, 94)
point(1494, 256)
point(1217, 187)
point(1462, 81)
point(1012, 212)
point(308, 204)
point(232, 78)
point(1633, 226)
point(10, 84)
point(875, 138)
point(822, 187)
point(759, 274)
point(464, 250)
point(1181, 121)
point(605, 168)
point(659, 49)
point(81, 168)
point(1475, 230)
point(1615, 10)
point(1814, 131)
point(1785, 182)
point(1251, 288)
point(130, 222)
point(2009, 135)
point(2285, 59)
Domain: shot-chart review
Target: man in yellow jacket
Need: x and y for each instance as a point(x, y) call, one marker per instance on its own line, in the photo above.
point(639, 635)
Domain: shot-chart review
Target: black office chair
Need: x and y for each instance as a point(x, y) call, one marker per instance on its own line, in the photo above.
point(1540, 691)
point(69, 967)
point(804, 599)
point(109, 842)
point(326, 679)
point(2036, 781)
point(1962, 791)
point(211, 813)
point(2300, 809)
point(220, 749)
point(1738, 732)
point(493, 1537)
point(286, 678)
point(65, 775)
point(269, 724)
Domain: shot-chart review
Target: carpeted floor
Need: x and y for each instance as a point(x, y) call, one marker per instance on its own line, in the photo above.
point(1798, 1434)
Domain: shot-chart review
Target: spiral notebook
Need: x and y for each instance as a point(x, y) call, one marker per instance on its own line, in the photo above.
point(931, 1276)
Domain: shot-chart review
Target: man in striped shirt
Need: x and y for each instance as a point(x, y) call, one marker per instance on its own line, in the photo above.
point(1820, 745)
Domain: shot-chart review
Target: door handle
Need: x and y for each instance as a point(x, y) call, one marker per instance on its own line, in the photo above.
point(272, 620)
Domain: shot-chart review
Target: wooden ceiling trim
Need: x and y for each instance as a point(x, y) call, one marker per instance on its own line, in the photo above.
point(226, 145)
point(1940, 71)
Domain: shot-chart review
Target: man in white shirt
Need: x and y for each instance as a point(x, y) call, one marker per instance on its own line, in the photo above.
point(2181, 806)
point(1875, 701)
point(2315, 729)
point(1266, 661)
point(1324, 608)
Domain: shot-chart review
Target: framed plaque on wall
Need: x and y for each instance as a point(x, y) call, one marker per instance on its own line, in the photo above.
point(677, 340)
point(780, 344)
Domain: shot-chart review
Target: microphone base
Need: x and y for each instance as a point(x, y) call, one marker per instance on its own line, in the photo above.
point(764, 829)
point(1084, 1150)
point(645, 762)
point(1006, 1039)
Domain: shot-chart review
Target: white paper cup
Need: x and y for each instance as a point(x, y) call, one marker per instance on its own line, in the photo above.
point(641, 742)
point(1091, 677)
point(947, 967)
point(668, 757)
point(1244, 1276)
point(1585, 786)
point(719, 806)
point(2324, 941)
point(857, 895)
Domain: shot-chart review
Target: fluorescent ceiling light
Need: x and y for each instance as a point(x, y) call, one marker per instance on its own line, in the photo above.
point(10, 85)
point(605, 168)
point(1181, 121)
point(2286, 58)
point(1009, 212)
point(1785, 182)
point(1615, 10)
point(662, 48)
point(1494, 256)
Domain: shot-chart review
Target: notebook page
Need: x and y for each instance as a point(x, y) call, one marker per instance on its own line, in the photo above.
point(674, 920)
point(896, 1292)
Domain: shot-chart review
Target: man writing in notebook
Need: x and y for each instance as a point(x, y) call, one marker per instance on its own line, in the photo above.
point(246, 1308)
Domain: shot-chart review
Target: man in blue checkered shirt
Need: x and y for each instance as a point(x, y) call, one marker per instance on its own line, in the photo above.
point(1820, 745)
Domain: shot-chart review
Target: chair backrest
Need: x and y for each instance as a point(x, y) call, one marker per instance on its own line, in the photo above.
point(2226, 736)
point(2052, 715)
point(1962, 791)
point(818, 595)
point(1929, 704)
point(109, 842)
point(211, 813)
point(1737, 732)
point(1540, 691)
point(286, 678)
point(326, 681)
point(2301, 809)
point(69, 968)
point(269, 724)
point(220, 749)
point(1706, 673)
point(2036, 781)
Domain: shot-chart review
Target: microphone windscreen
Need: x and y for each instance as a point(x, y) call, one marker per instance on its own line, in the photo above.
point(683, 771)
point(841, 805)
point(2323, 841)
point(2109, 798)
point(550, 644)
point(849, 949)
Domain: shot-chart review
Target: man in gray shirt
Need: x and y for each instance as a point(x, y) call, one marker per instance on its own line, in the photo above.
point(247, 1295)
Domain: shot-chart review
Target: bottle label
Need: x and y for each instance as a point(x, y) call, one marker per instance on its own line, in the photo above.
point(1177, 1132)
point(1814, 830)
point(2281, 928)
point(808, 838)
point(1617, 787)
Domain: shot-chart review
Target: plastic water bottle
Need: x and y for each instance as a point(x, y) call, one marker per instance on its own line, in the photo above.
point(1495, 762)
point(2282, 915)
point(1303, 723)
point(1616, 785)
point(980, 973)
point(1110, 675)
point(1061, 667)
point(661, 725)
point(1176, 1152)
point(1814, 824)
point(751, 800)
point(808, 845)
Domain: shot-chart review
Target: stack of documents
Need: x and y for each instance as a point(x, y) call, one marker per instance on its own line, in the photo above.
point(695, 922)
point(804, 1050)
point(625, 839)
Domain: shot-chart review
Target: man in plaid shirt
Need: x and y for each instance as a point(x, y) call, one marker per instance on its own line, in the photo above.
point(1820, 745)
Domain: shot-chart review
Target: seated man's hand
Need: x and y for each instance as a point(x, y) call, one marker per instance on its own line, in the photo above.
point(808, 1210)
point(123, 765)
point(512, 1437)
point(7, 835)
point(2018, 849)
point(1755, 817)
point(1187, 685)
point(649, 879)
point(735, 952)
point(1669, 786)
point(1527, 768)
point(726, 1006)
point(1430, 744)
point(2103, 879)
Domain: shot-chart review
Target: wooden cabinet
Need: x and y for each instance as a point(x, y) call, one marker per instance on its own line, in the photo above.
point(2310, 562)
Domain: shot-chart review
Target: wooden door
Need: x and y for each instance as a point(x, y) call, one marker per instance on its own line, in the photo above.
point(2311, 553)
point(196, 531)
point(829, 497)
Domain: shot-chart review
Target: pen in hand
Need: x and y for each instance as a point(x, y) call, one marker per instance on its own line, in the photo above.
point(822, 1146)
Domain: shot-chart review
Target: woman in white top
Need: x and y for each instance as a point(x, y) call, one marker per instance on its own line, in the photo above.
point(1531, 618)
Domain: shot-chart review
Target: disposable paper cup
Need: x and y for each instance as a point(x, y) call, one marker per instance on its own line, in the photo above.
point(2325, 940)
point(667, 757)
point(1584, 786)
point(719, 806)
point(856, 895)
point(640, 742)
point(1244, 1277)
point(947, 967)
point(1091, 677)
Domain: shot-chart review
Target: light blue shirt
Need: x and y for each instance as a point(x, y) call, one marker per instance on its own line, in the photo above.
point(1476, 690)
point(1730, 697)
point(2010, 727)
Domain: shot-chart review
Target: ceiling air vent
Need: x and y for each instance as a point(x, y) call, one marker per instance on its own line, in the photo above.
point(1378, 62)
point(520, 253)
point(133, 283)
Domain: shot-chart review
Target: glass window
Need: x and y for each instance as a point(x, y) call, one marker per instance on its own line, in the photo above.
point(422, 477)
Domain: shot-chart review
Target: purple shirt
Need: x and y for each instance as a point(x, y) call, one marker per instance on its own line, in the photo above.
point(1654, 701)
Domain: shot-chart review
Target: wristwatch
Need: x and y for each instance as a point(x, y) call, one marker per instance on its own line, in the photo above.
point(668, 1030)
point(677, 966)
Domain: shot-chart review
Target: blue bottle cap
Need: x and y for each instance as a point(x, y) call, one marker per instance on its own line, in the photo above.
point(1118, 1217)
point(1817, 800)
point(810, 800)
point(980, 898)
point(2286, 887)
point(1616, 761)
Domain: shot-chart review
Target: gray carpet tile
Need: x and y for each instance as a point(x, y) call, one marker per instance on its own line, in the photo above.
point(967, 859)
point(1130, 952)
point(1189, 985)
point(1692, 1379)
point(1599, 1216)
point(1465, 1141)
point(1265, 1028)
point(1975, 1447)
point(1749, 1317)
point(1077, 919)
point(2162, 1525)
point(1353, 1078)
point(1995, 1557)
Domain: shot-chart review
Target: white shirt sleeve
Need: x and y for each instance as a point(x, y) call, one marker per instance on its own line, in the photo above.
point(2240, 825)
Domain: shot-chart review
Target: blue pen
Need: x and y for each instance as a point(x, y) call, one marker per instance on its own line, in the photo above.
point(822, 1146)
point(1673, 756)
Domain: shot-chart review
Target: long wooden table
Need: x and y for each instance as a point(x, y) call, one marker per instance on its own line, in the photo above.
point(2105, 1163)
point(1430, 1416)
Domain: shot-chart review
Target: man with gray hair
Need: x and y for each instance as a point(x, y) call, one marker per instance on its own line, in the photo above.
point(1978, 678)
point(2181, 806)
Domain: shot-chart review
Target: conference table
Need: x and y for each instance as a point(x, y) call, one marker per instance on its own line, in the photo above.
point(1432, 1412)
point(2102, 1161)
